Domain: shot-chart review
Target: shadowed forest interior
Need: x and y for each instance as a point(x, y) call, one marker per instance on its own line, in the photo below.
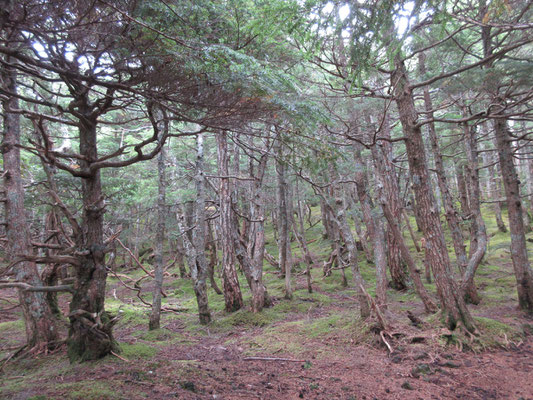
point(279, 199)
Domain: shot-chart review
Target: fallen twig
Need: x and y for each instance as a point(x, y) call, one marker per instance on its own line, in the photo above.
point(382, 334)
point(119, 357)
point(272, 359)
point(16, 353)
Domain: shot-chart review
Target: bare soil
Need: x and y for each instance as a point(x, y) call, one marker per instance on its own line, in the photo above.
point(216, 366)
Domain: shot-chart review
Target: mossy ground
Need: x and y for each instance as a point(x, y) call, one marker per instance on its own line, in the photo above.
point(312, 326)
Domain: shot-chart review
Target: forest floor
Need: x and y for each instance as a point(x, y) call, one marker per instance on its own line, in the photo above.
point(329, 352)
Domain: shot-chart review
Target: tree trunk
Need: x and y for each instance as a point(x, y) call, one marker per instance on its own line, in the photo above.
point(479, 232)
point(374, 226)
point(199, 235)
point(90, 333)
point(429, 305)
point(50, 274)
point(213, 260)
point(452, 302)
point(450, 213)
point(495, 186)
point(299, 232)
point(283, 219)
point(519, 256)
point(155, 315)
point(41, 332)
point(347, 235)
point(382, 155)
point(358, 223)
point(257, 240)
point(232, 290)
point(180, 253)
point(462, 191)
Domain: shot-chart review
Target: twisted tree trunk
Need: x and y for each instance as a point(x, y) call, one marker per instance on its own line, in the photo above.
point(90, 332)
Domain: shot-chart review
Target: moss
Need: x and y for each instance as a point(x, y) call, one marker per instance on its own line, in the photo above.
point(244, 318)
point(491, 334)
point(10, 387)
point(322, 326)
point(497, 334)
point(12, 334)
point(12, 326)
point(282, 339)
point(156, 335)
point(137, 351)
point(91, 390)
point(129, 314)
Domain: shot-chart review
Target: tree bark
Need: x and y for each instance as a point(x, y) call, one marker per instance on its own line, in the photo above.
point(283, 219)
point(344, 227)
point(479, 232)
point(41, 332)
point(452, 302)
point(232, 291)
point(383, 156)
point(299, 232)
point(374, 226)
point(450, 213)
point(462, 191)
point(199, 236)
point(519, 256)
point(256, 242)
point(90, 333)
point(213, 260)
point(155, 315)
point(429, 305)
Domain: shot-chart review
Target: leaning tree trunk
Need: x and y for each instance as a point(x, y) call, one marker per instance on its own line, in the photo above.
point(232, 290)
point(90, 333)
point(40, 330)
point(452, 303)
point(451, 214)
point(155, 315)
point(519, 256)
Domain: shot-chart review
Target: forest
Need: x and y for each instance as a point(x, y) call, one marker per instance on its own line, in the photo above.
point(266, 199)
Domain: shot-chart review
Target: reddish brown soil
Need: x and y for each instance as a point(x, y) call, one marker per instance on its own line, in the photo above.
point(209, 368)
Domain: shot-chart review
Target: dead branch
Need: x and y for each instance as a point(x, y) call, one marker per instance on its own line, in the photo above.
point(272, 359)
point(135, 258)
point(377, 311)
point(29, 288)
point(119, 357)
